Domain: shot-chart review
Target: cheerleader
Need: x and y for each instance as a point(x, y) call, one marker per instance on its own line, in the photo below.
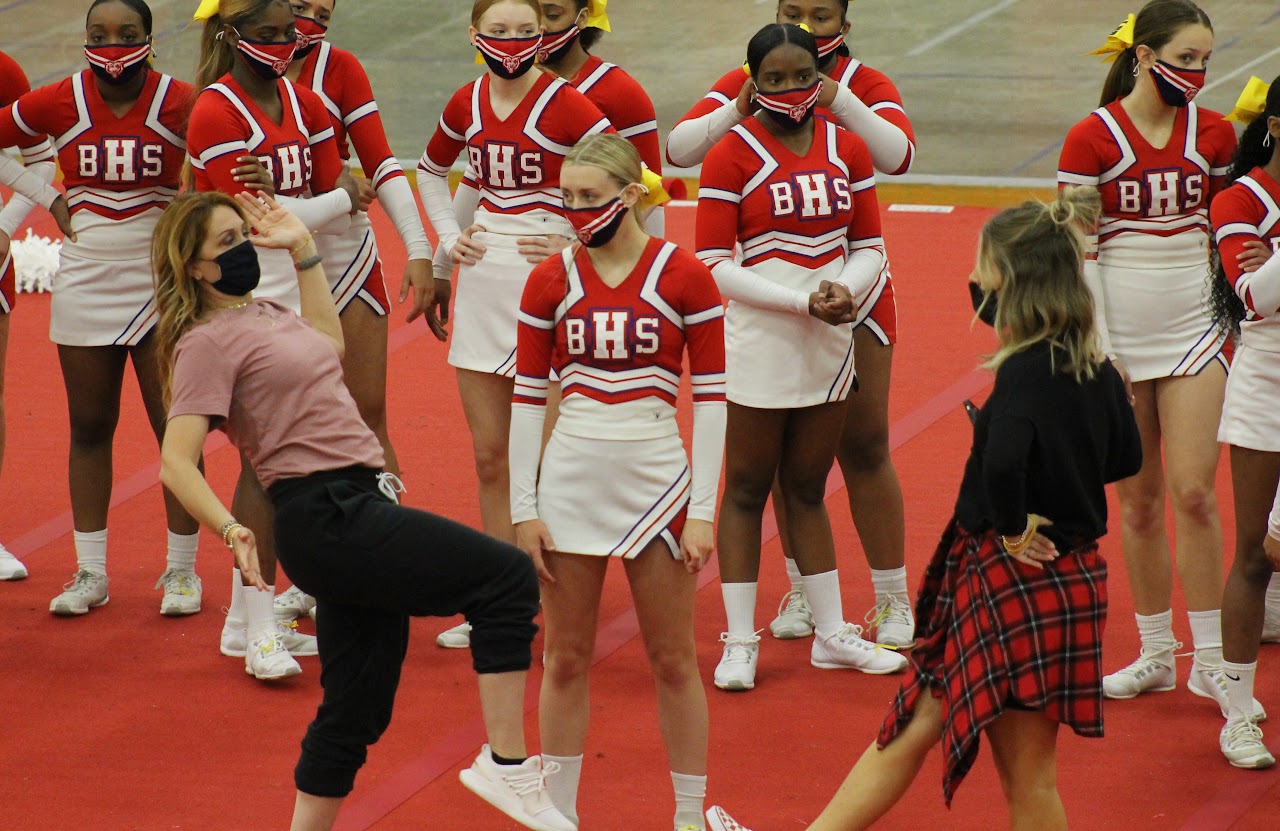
point(616, 447)
point(1246, 226)
point(515, 126)
point(246, 106)
point(1158, 159)
point(38, 156)
point(119, 128)
point(1012, 606)
point(272, 381)
point(864, 101)
point(798, 194)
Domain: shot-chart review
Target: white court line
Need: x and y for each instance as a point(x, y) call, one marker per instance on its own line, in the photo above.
point(1233, 73)
point(961, 27)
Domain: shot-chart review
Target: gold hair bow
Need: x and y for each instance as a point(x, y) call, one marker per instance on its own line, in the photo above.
point(596, 17)
point(1118, 41)
point(208, 8)
point(654, 193)
point(1251, 103)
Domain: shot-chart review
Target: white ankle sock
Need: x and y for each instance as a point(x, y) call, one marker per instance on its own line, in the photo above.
point(691, 792)
point(1239, 678)
point(890, 581)
point(1273, 592)
point(1206, 636)
point(237, 612)
point(1156, 632)
point(562, 786)
point(740, 607)
point(260, 610)
point(91, 551)
point(793, 574)
point(823, 591)
point(182, 551)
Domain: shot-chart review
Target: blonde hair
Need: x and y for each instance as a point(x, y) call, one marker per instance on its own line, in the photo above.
point(481, 7)
point(217, 56)
point(613, 154)
point(1038, 251)
point(175, 245)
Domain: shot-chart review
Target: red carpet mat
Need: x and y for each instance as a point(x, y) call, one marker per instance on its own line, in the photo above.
point(124, 719)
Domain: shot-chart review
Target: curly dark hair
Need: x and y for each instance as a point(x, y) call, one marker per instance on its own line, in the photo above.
point(1225, 305)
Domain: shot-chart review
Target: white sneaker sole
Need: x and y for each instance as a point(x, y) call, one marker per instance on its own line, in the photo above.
point(175, 610)
point(790, 631)
point(65, 610)
point(1126, 695)
point(483, 788)
point(288, 672)
point(14, 576)
point(1258, 761)
point(833, 665)
point(736, 685)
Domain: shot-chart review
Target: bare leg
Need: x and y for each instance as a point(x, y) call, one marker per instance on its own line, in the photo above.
point(570, 608)
point(92, 376)
point(314, 813)
point(486, 401)
point(808, 451)
point(502, 707)
point(249, 505)
point(1254, 475)
point(364, 367)
point(881, 777)
point(1142, 528)
point(1024, 747)
point(753, 448)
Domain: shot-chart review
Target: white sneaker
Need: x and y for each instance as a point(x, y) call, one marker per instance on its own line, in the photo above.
point(1270, 624)
point(847, 649)
point(85, 591)
point(11, 568)
point(1152, 672)
point(459, 637)
point(1208, 682)
point(519, 791)
point(795, 618)
point(894, 622)
point(737, 667)
point(719, 820)
point(182, 593)
point(268, 660)
point(235, 639)
point(293, 603)
point(1241, 743)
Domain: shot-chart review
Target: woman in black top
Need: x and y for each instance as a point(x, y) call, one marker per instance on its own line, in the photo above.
point(1013, 603)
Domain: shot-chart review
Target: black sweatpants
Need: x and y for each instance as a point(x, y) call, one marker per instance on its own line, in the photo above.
point(370, 564)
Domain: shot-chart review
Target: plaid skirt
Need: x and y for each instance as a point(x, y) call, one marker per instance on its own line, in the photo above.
point(998, 634)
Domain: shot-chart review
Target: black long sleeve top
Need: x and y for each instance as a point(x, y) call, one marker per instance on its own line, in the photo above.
point(1046, 444)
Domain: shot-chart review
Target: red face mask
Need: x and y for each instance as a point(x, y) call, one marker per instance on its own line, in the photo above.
point(556, 44)
point(310, 33)
point(596, 226)
point(827, 44)
point(1177, 86)
point(509, 57)
point(117, 63)
point(267, 58)
point(792, 107)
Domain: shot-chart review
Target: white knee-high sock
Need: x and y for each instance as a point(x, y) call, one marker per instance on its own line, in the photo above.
point(691, 792)
point(823, 591)
point(1206, 636)
point(260, 610)
point(562, 786)
point(740, 608)
point(1239, 678)
point(91, 551)
point(890, 582)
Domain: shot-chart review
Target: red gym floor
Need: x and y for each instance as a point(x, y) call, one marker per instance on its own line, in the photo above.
point(124, 719)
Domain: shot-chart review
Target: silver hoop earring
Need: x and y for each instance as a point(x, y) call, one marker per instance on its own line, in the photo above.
point(1266, 142)
point(1136, 66)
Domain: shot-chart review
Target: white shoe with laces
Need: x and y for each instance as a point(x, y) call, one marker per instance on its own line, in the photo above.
point(1210, 682)
point(293, 603)
point(182, 593)
point(719, 820)
point(847, 649)
point(1241, 742)
point(519, 791)
point(737, 668)
point(235, 639)
point(268, 660)
point(1152, 672)
point(87, 590)
point(459, 637)
point(795, 618)
point(11, 568)
point(894, 622)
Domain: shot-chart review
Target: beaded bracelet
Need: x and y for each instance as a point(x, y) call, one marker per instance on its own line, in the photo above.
point(1020, 544)
point(227, 527)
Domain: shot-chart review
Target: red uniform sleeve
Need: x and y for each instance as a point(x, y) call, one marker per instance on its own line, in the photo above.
point(216, 135)
point(1218, 144)
point(536, 335)
point(1080, 163)
point(1233, 216)
point(450, 136)
point(719, 201)
point(36, 114)
point(175, 114)
point(630, 110)
point(14, 85)
point(864, 226)
point(326, 163)
point(703, 313)
point(361, 119)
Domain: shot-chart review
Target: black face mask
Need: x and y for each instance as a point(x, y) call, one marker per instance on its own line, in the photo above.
point(240, 270)
point(986, 310)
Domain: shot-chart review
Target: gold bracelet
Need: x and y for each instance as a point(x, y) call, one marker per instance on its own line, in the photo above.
point(1024, 540)
point(227, 527)
point(302, 243)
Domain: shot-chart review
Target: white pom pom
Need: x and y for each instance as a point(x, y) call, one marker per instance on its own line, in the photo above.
point(35, 261)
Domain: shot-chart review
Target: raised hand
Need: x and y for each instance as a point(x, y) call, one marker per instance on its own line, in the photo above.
point(275, 226)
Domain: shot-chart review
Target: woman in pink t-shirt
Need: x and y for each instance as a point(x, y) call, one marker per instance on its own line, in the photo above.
point(272, 381)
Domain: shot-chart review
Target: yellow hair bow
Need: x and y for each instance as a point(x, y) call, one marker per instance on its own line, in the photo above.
point(596, 17)
point(1118, 41)
point(655, 193)
point(1251, 103)
point(208, 8)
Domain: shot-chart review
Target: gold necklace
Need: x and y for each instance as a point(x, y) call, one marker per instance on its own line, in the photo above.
point(240, 305)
